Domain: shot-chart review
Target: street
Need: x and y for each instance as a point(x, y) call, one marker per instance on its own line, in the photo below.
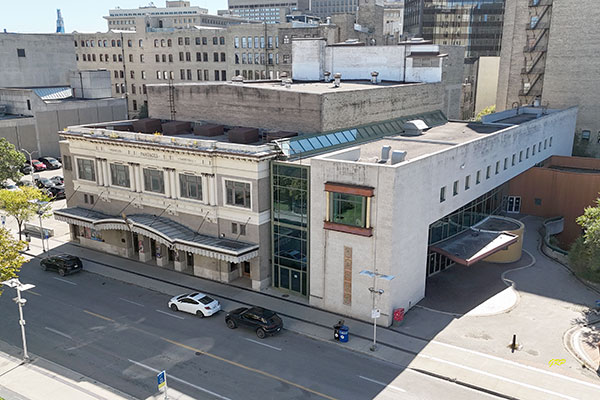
point(121, 335)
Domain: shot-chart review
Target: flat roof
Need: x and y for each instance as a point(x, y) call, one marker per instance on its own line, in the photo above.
point(433, 140)
point(317, 87)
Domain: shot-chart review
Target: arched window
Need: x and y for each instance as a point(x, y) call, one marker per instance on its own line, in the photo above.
point(155, 42)
point(162, 42)
point(112, 43)
point(140, 43)
point(129, 43)
point(105, 43)
point(169, 43)
point(99, 43)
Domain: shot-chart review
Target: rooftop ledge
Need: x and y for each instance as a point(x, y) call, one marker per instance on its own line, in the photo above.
point(204, 145)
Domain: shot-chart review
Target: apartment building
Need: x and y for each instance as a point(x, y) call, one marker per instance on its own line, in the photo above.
point(268, 11)
point(176, 13)
point(550, 57)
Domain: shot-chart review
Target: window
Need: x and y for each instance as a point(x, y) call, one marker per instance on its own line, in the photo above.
point(20, 52)
point(140, 43)
point(132, 88)
point(187, 41)
point(132, 74)
point(191, 186)
point(180, 41)
point(216, 57)
point(198, 56)
point(164, 58)
point(112, 43)
point(497, 167)
point(204, 41)
point(478, 178)
point(514, 158)
point(181, 56)
point(513, 204)
point(455, 188)
point(141, 58)
point(169, 43)
point(216, 75)
point(222, 57)
point(348, 209)
point(205, 74)
point(585, 134)
point(234, 227)
point(223, 75)
point(550, 142)
point(117, 88)
point(215, 40)
point(121, 74)
point(188, 56)
point(237, 193)
point(189, 74)
point(527, 153)
point(243, 43)
point(129, 43)
point(154, 181)
point(243, 230)
point(520, 155)
point(143, 73)
point(158, 75)
point(182, 74)
point(119, 175)
point(198, 41)
point(467, 182)
point(488, 172)
point(505, 162)
point(442, 194)
point(236, 42)
point(221, 40)
point(86, 170)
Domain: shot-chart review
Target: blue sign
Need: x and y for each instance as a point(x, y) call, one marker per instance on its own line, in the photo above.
point(162, 379)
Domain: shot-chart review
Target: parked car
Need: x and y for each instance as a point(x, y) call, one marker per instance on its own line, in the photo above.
point(63, 263)
point(9, 185)
point(37, 165)
point(43, 183)
point(264, 322)
point(58, 180)
point(195, 303)
point(52, 189)
point(50, 162)
point(27, 169)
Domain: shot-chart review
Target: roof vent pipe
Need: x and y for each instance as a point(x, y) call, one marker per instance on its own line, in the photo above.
point(398, 156)
point(328, 19)
point(337, 79)
point(385, 153)
point(374, 76)
point(327, 76)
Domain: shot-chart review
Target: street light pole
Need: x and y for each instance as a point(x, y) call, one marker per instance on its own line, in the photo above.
point(15, 284)
point(30, 162)
point(375, 292)
point(40, 212)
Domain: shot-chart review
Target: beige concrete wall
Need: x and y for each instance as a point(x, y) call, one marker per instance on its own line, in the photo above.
point(487, 82)
point(20, 131)
point(513, 252)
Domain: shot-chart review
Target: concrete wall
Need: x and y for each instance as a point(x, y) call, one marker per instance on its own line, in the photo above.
point(563, 193)
point(487, 82)
point(47, 62)
point(91, 84)
point(20, 131)
point(275, 107)
point(406, 202)
point(310, 60)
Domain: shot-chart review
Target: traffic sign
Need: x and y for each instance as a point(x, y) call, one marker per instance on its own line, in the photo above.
point(162, 379)
point(375, 313)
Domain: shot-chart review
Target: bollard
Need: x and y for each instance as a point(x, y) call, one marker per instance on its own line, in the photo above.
point(514, 343)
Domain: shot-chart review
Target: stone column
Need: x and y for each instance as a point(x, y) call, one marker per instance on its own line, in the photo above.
point(180, 260)
point(133, 177)
point(144, 248)
point(162, 255)
point(106, 172)
point(212, 184)
point(167, 181)
point(174, 181)
point(140, 175)
point(206, 190)
point(99, 172)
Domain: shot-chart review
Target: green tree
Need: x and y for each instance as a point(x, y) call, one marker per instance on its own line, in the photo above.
point(10, 258)
point(143, 111)
point(21, 204)
point(484, 112)
point(11, 161)
point(584, 255)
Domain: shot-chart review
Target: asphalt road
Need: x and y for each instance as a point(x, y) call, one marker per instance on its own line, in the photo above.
point(121, 335)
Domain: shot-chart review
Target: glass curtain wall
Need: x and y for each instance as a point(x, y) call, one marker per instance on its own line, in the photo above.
point(290, 226)
point(456, 222)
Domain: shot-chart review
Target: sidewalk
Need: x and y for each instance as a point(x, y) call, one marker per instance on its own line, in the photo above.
point(584, 343)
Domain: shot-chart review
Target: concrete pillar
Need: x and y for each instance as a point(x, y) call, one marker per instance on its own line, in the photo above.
point(212, 184)
point(162, 255)
point(205, 189)
point(140, 176)
point(132, 177)
point(180, 260)
point(174, 185)
point(106, 172)
point(144, 247)
point(99, 172)
point(167, 182)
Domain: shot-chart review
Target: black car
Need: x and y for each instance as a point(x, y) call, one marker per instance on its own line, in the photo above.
point(264, 322)
point(53, 190)
point(63, 263)
point(27, 169)
point(50, 162)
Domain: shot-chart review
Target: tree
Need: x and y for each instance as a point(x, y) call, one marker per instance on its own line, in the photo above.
point(484, 112)
point(21, 204)
point(584, 255)
point(10, 258)
point(11, 161)
point(143, 111)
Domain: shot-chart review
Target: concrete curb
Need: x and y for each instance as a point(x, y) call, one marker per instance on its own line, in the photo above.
point(568, 341)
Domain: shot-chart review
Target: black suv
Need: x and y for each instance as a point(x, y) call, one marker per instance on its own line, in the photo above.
point(64, 264)
point(50, 162)
point(264, 322)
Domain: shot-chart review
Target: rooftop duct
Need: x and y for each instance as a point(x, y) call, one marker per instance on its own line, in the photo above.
point(337, 79)
point(385, 154)
point(414, 127)
point(398, 156)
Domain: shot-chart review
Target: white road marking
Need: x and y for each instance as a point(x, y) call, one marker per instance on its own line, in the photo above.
point(169, 314)
point(66, 281)
point(58, 332)
point(382, 384)
point(132, 302)
point(264, 344)
point(500, 377)
point(480, 393)
point(517, 364)
point(171, 377)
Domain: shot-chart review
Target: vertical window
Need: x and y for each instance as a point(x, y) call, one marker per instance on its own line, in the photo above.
point(527, 153)
point(585, 134)
point(119, 175)
point(550, 142)
point(169, 43)
point(488, 172)
point(154, 181)
point(216, 75)
point(348, 209)
point(216, 57)
point(467, 182)
point(180, 41)
point(237, 194)
point(187, 41)
point(134, 105)
point(497, 167)
point(198, 41)
point(215, 40)
point(86, 169)
point(533, 152)
point(505, 162)
point(20, 52)
point(520, 155)
point(191, 186)
point(236, 42)
point(222, 57)
point(514, 158)
point(455, 188)
point(189, 74)
point(243, 43)
point(442, 194)
point(478, 178)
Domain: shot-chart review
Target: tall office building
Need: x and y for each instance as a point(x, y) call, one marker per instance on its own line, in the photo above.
point(178, 13)
point(60, 24)
point(550, 56)
point(269, 11)
point(475, 24)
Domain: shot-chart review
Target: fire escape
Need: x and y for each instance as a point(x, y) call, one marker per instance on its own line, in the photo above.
point(534, 52)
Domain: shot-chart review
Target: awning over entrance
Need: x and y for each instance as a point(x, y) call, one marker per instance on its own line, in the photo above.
point(479, 241)
point(163, 230)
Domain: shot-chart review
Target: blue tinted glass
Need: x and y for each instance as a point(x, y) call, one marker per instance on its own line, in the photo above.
point(304, 143)
point(351, 136)
point(315, 142)
point(324, 141)
point(332, 138)
point(340, 136)
point(296, 148)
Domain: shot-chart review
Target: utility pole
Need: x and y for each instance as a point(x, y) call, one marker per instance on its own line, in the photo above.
point(20, 287)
